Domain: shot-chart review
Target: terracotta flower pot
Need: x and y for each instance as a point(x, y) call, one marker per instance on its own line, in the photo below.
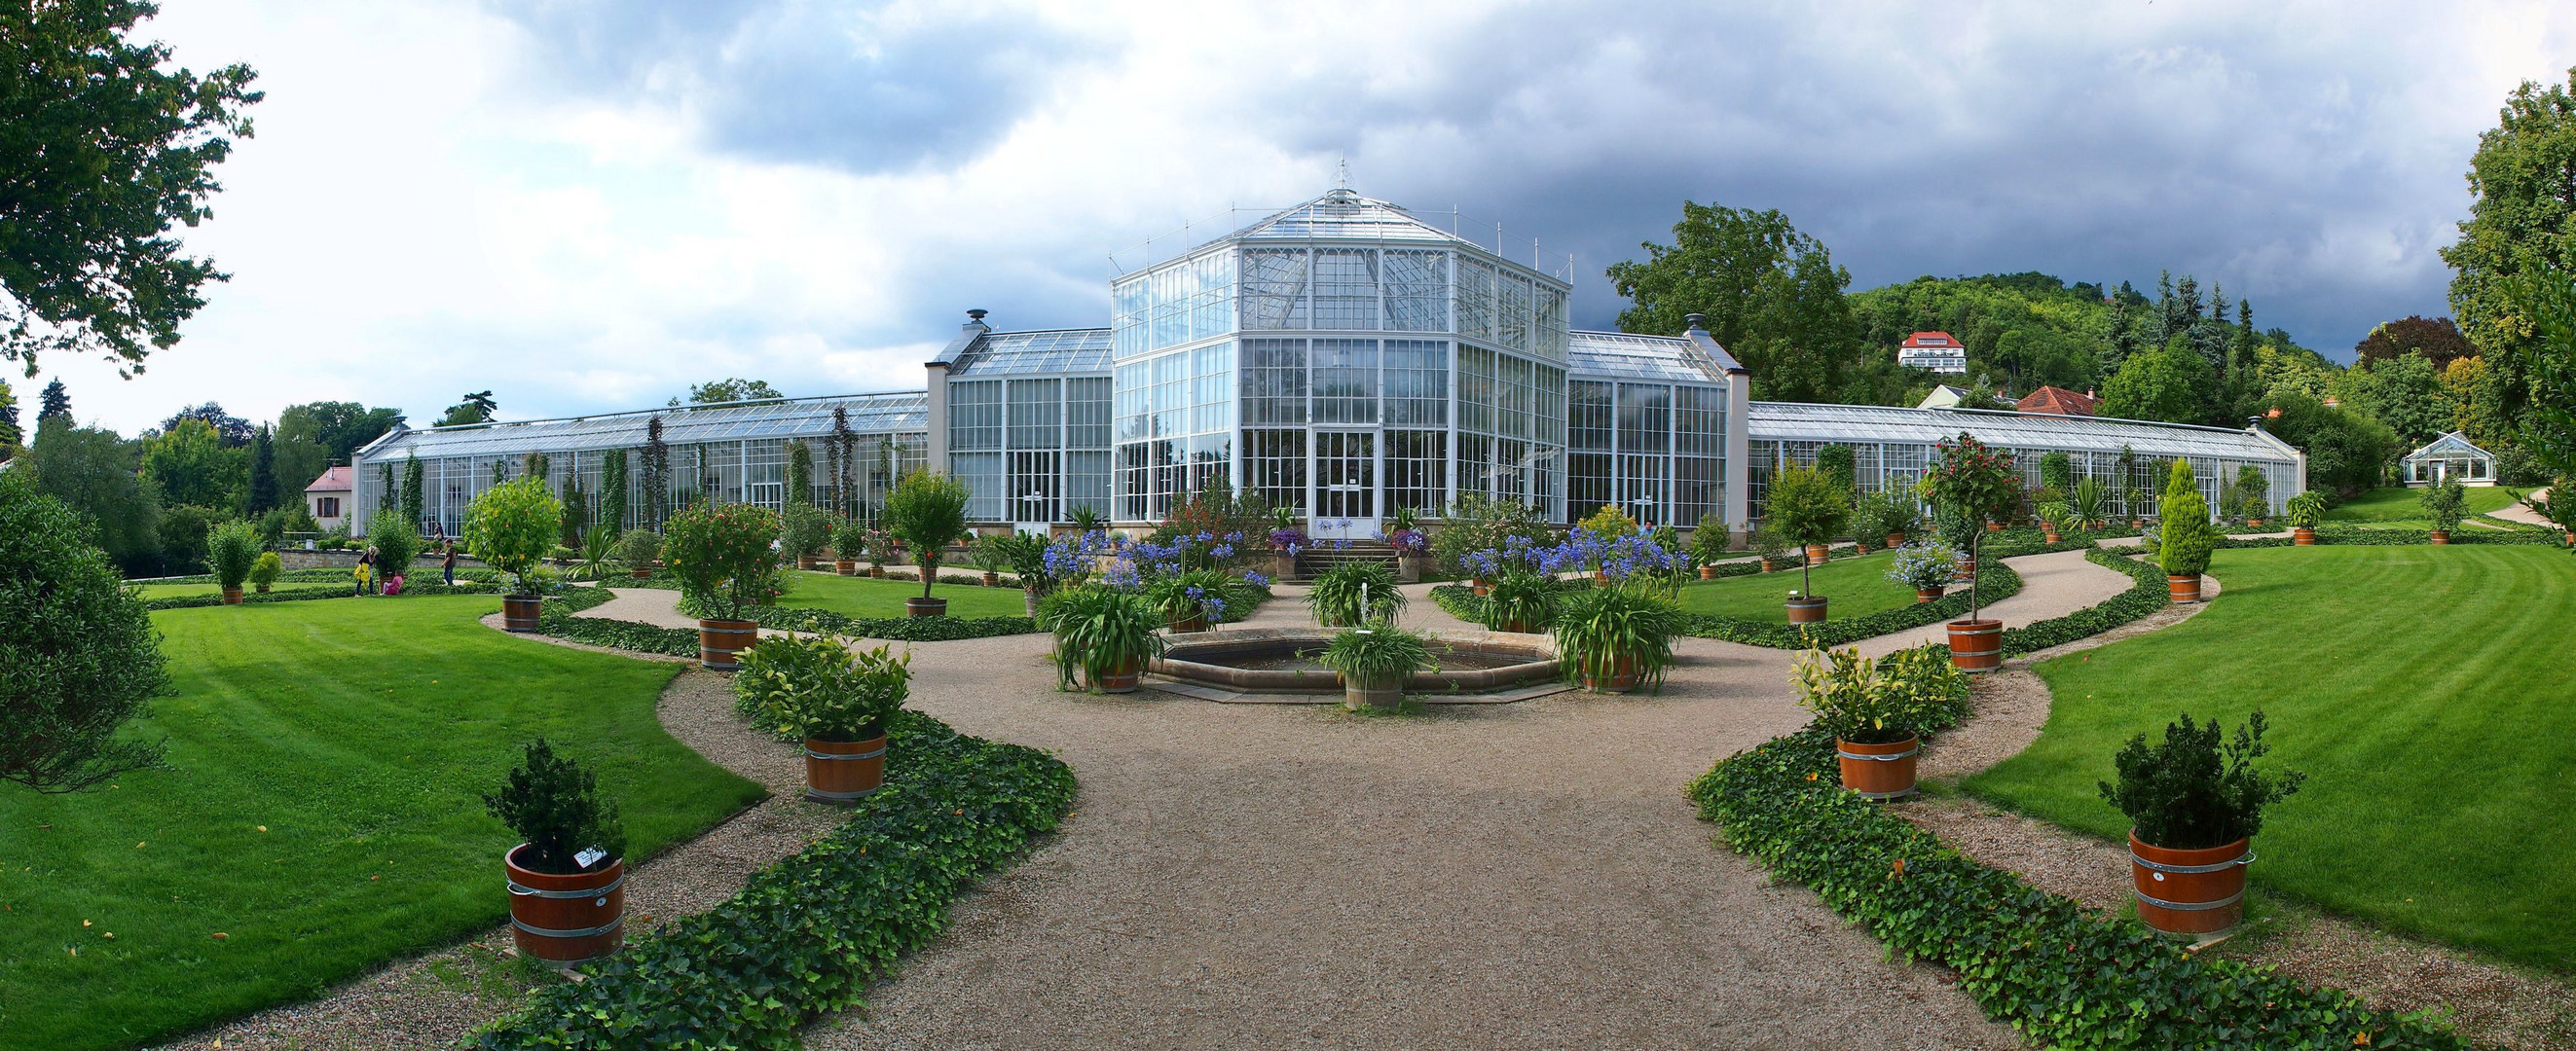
point(1807, 609)
point(1976, 646)
point(1119, 680)
point(1878, 771)
point(232, 596)
point(2049, 535)
point(519, 612)
point(2441, 536)
point(1600, 578)
point(1896, 539)
point(722, 640)
point(2303, 537)
point(2253, 523)
point(641, 572)
point(992, 580)
point(2189, 891)
point(1818, 553)
point(1928, 594)
point(1708, 572)
point(263, 589)
point(845, 567)
point(1994, 527)
point(925, 607)
point(842, 771)
point(1478, 585)
point(1381, 695)
point(1623, 677)
point(2183, 588)
point(566, 919)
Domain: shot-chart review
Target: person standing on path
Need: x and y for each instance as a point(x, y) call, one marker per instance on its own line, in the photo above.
point(448, 565)
point(366, 562)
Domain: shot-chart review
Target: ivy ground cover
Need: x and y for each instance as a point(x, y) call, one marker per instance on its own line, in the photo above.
point(322, 813)
point(1856, 587)
point(867, 598)
point(2424, 690)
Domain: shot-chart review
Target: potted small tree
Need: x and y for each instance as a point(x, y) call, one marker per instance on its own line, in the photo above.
point(1353, 593)
point(881, 548)
point(638, 549)
point(1374, 662)
point(2050, 515)
point(1026, 555)
point(1926, 567)
point(2194, 806)
point(2253, 495)
point(566, 876)
point(265, 569)
point(722, 556)
point(1877, 716)
point(839, 702)
point(849, 544)
point(927, 512)
point(2305, 511)
point(231, 547)
point(1770, 548)
point(1106, 634)
point(511, 527)
point(804, 529)
point(1808, 509)
point(1868, 522)
point(2445, 504)
point(1898, 514)
point(1708, 544)
point(1974, 485)
point(990, 554)
point(2188, 538)
point(1613, 639)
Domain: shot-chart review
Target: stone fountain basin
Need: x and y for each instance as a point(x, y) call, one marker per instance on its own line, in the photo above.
point(1267, 661)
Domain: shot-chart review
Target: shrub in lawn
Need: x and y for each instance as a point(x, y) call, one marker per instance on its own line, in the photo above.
point(512, 528)
point(1770, 545)
point(2446, 504)
point(264, 570)
point(230, 549)
point(1375, 661)
point(1102, 632)
point(2191, 792)
point(78, 656)
point(1868, 521)
point(721, 554)
point(927, 511)
point(397, 543)
point(555, 807)
point(1354, 592)
point(1618, 637)
point(2188, 539)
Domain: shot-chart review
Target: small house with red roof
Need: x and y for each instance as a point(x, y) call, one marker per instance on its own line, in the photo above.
point(1935, 351)
point(2058, 401)
point(328, 498)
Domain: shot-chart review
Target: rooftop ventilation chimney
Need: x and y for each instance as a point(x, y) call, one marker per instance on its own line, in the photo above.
point(1695, 321)
point(977, 316)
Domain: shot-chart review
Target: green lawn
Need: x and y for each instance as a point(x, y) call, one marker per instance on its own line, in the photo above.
point(212, 588)
point(870, 597)
point(1856, 587)
point(2424, 690)
point(2400, 504)
point(360, 734)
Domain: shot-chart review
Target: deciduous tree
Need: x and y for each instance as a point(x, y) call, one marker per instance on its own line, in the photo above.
point(1770, 295)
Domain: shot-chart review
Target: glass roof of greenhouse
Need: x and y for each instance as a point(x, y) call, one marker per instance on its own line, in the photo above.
point(898, 412)
point(1055, 351)
point(1799, 421)
point(1627, 356)
point(1344, 213)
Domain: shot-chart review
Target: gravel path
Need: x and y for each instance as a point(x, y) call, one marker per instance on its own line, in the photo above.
point(2517, 512)
point(2052, 585)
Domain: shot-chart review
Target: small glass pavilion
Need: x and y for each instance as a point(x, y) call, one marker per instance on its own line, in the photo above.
point(2449, 456)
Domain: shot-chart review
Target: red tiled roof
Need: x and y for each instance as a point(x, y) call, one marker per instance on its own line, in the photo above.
point(335, 480)
point(1916, 340)
point(2058, 401)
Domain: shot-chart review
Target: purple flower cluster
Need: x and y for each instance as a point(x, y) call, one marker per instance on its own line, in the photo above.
point(1409, 541)
point(1582, 549)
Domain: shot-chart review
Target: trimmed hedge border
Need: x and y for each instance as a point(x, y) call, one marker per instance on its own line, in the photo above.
point(908, 629)
point(254, 598)
point(1995, 583)
point(2061, 976)
point(2146, 596)
point(805, 936)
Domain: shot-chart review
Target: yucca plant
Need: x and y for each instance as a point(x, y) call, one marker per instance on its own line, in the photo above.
point(1602, 632)
point(1339, 595)
point(598, 549)
point(2089, 504)
point(1100, 631)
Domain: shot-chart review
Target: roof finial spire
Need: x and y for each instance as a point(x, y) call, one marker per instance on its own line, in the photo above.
point(1342, 176)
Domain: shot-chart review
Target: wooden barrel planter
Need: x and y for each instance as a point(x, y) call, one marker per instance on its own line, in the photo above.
point(2050, 535)
point(721, 642)
point(2182, 588)
point(519, 612)
point(2189, 891)
point(1195, 623)
point(1878, 771)
point(1766, 565)
point(1119, 681)
point(1623, 677)
point(2253, 523)
point(1896, 539)
point(1708, 572)
point(1807, 609)
point(2441, 536)
point(806, 561)
point(1600, 578)
point(1927, 594)
point(925, 607)
point(566, 919)
point(641, 572)
point(1477, 584)
point(845, 567)
point(992, 580)
point(1977, 646)
point(232, 596)
point(1965, 574)
point(1380, 695)
point(2303, 537)
point(842, 771)
point(1817, 554)
point(877, 571)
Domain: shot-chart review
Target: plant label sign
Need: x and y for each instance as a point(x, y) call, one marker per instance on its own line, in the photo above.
point(589, 857)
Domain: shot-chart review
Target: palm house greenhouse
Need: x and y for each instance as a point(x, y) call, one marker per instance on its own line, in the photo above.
point(1343, 358)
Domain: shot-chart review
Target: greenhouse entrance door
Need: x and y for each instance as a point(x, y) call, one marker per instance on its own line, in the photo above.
point(1345, 485)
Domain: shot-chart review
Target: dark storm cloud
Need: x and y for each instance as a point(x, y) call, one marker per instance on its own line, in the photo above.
point(864, 89)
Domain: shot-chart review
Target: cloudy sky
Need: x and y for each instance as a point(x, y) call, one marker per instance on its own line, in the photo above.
point(586, 205)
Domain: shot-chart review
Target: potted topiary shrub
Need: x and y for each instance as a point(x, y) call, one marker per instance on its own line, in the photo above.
point(804, 529)
point(567, 875)
point(990, 554)
point(1770, 548)
point(2253, 494)
point(1374, 662)
point(1613, 639)
point(881, 548)
point(2305, 510)
point(722, 556)
point(1352, 593)
point(637, 549)
point(264, 570)
point(1026, 555)
point(1877, 716)
point(511, 527)
point(230, 549)
point(1190, 600)
point(2445, 504)
point(1808, 509)
point(849, 544)
point(1708, 544)
point(1972, 485)
point(927, 512)
point(1106, 634)
point(1926, 567)
point(2188, 539)
point(839, 702)
point(2194, 806)
point(1867, 522)
point(2052, 513)
point(1899, 514)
